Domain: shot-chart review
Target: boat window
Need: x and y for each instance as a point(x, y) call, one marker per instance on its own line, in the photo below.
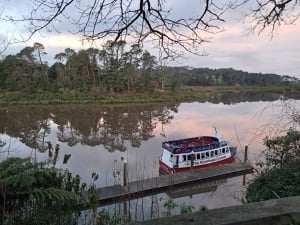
point(202, 155)
point(216, 152)
point(227, 150)
point(198, 156)
point(207, 154)
point(171, 156)
point(184, 157)
point(223, 150)
point(212, 154)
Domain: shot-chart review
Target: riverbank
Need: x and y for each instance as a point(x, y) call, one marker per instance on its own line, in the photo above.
point(183, 94)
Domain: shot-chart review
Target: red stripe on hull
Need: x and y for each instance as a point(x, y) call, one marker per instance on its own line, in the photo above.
point(178, 170)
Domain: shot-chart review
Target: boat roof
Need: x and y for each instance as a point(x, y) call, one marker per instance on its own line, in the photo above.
point(195, 144)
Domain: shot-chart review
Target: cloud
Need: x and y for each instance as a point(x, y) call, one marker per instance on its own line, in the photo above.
point(252, 53)
point(231, 48)
point(61, 41)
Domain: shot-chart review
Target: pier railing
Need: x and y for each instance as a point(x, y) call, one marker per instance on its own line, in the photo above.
point(282, 211)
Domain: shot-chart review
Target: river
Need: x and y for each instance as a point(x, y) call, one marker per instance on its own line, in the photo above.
point(98, 138)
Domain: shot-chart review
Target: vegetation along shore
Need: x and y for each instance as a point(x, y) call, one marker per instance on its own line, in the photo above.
point(135, 76)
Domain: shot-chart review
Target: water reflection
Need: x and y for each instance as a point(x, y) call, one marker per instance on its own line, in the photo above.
point(195, 188)
point(92, 125)
point(94, 138)
point(229, 97)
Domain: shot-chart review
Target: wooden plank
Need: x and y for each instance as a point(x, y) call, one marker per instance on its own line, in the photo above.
point(118, 193)
point(272, 212)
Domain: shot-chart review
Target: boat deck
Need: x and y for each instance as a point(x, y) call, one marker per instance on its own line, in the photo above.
point(118, 193)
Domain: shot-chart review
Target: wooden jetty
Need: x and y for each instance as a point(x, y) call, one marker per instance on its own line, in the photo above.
point(164, 183)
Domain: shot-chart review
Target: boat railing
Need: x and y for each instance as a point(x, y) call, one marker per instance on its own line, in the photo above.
point(195, 148)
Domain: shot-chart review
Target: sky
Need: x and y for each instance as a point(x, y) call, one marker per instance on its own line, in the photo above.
point(228, 49)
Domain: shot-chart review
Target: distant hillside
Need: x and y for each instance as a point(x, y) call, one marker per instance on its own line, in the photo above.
point(219, 77)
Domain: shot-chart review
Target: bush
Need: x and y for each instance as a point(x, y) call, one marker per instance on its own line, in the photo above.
point(281, 177)
point(276, 183)
point(34, 193)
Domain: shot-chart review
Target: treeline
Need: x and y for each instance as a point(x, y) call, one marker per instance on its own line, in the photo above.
point(228, 76)
point(116, 68)
point(110, 69)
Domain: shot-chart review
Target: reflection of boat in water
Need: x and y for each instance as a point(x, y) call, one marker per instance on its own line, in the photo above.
point(195, 188)
point(195, 153)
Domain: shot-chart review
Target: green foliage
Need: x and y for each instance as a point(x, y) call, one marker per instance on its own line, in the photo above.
point(282, 149)
point(186, 208)
point(276, 183)
point(114, 81)
point(33, 193)
point(113, 70)
point(104, 218)
point(226, 77)
point(281, 177)
point(169, 205)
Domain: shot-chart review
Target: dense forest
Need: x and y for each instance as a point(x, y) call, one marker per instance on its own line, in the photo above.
point(116, 68)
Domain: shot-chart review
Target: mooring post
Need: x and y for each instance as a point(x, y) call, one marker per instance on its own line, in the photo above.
point(246, 154)
point(245, 160)
point(125, 173)
point(125, 183)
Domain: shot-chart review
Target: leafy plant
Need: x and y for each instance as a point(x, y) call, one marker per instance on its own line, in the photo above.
point(276, 183)
point(32, 193)
point(281, 177)
point(282, 149)
point(170, 205)
point(104, 218)
point(186, 208)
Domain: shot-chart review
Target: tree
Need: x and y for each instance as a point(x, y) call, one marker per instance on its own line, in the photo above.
point(8, 65)
point(273, 13)
point(280, 177)
point(40, 49)
point(282, 149)
point(93, 55)
point(155, 21)
point(147, 65)
point(275, 183)
point(27, 54)
point(131, 65)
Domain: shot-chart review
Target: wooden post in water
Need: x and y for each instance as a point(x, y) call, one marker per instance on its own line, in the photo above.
point(125, 173)
point(125, 183)
point(246, 154)
point(245, 160)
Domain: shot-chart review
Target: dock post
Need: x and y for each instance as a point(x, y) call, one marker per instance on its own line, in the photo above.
point(125, 173)
point(125, 183)
point(245, 160)
point(246, 154)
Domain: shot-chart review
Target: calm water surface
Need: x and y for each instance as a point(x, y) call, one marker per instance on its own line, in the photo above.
point(97, 137)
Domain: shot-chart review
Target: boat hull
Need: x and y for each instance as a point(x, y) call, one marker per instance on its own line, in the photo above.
point(169, 170)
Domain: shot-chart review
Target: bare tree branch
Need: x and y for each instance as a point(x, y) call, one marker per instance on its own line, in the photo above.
point(4, 43)
point(152, 21)
point(143, 20)
point(271, 14)
point(4, 39)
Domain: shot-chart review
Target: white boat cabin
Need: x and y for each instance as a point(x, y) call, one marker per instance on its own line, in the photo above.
point(182, 160)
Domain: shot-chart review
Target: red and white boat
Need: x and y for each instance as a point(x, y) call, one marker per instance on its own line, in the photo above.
point(195, 153)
